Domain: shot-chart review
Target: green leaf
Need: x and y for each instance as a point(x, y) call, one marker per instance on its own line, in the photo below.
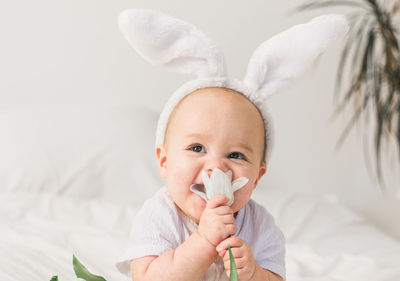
point(54, 278)
point(82, 272)
point(233, 273)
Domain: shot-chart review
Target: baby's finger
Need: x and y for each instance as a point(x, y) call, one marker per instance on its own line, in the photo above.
point(233, 241)
point(240, 265)
point(239, 262)
point(222, 253)
point(217, 200)
point(237, 253)
point(224, 210)
point(230, 228)
point(227, 219)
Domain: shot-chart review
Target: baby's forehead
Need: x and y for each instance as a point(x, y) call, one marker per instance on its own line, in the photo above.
point(216, 96)
point(230, 105)
point(213, 91)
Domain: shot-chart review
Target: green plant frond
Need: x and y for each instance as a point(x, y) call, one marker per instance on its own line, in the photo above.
point(387, 113)
point(365, 32)
point(376, 79)
point(393, 41)
point(398, 123)
point(355, 86)
point(368, 53)
point(392, 112)
point(377, 87)
point(378, 132)
point(378, 137)
point(360, 76)
point(367, 96)
point(324, 4)
point(376, 9)
point(379, 92)
point(352, 122)
point(353, 42)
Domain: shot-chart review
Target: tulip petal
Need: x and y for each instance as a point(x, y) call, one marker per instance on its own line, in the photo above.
point(195, 189)
point(205, 178)
point(239, 183)
point(229, 174)
point(219, 183)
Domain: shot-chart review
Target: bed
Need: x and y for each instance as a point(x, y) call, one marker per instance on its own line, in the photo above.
point(72, 178)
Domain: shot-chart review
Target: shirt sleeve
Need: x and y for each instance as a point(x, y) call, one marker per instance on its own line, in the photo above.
point(268, 241)
point(155, 230)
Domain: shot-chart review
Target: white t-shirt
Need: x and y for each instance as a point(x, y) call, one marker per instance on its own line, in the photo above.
point(160, 227)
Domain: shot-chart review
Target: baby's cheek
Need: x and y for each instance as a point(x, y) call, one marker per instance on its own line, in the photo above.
point(178, 176)
point(242, 196)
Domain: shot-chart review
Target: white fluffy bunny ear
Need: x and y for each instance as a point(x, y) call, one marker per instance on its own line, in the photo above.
point(285, 56)
point(173, 43)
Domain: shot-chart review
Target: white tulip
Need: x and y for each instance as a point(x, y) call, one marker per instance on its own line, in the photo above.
point(219, 183)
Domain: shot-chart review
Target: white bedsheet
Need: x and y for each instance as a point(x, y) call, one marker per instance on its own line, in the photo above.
point(40, 232)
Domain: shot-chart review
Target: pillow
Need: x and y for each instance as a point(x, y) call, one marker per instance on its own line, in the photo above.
point(80, 150)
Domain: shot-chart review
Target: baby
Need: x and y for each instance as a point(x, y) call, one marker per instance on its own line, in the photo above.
point(214, 123)
point(217, 128)
point(180, 234)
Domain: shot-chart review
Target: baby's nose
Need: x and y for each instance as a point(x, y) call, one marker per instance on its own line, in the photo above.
point(215, 162)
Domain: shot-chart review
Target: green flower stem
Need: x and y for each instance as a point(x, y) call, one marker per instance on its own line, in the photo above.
point(233, 272)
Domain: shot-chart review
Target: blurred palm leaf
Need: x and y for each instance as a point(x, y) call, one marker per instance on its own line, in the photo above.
point(372, 57)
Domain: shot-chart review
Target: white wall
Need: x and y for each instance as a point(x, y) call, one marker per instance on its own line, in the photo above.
point(58, 52)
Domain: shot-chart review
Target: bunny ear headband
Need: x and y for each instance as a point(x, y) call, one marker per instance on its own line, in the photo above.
point(181, 47)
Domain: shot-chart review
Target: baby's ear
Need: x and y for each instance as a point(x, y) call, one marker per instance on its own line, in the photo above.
point(175, 44)
point(262, 170)
point(285, 56)
point(162, 160)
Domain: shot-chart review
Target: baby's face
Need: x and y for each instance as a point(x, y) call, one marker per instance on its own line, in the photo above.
point(211, 128)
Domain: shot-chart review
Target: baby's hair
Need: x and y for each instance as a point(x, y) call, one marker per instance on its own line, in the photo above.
point(226, 89)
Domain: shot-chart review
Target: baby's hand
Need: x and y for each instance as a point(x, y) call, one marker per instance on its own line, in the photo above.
point(217, 221)
point(245, 262)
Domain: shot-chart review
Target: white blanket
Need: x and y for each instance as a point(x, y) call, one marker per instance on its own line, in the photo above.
point(40, 232)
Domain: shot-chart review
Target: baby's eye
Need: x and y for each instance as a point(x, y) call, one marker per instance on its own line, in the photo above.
point(197, 148)
point(237, 155)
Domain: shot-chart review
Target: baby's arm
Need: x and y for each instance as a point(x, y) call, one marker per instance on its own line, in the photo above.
point(190, 260)
point(247, 267)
